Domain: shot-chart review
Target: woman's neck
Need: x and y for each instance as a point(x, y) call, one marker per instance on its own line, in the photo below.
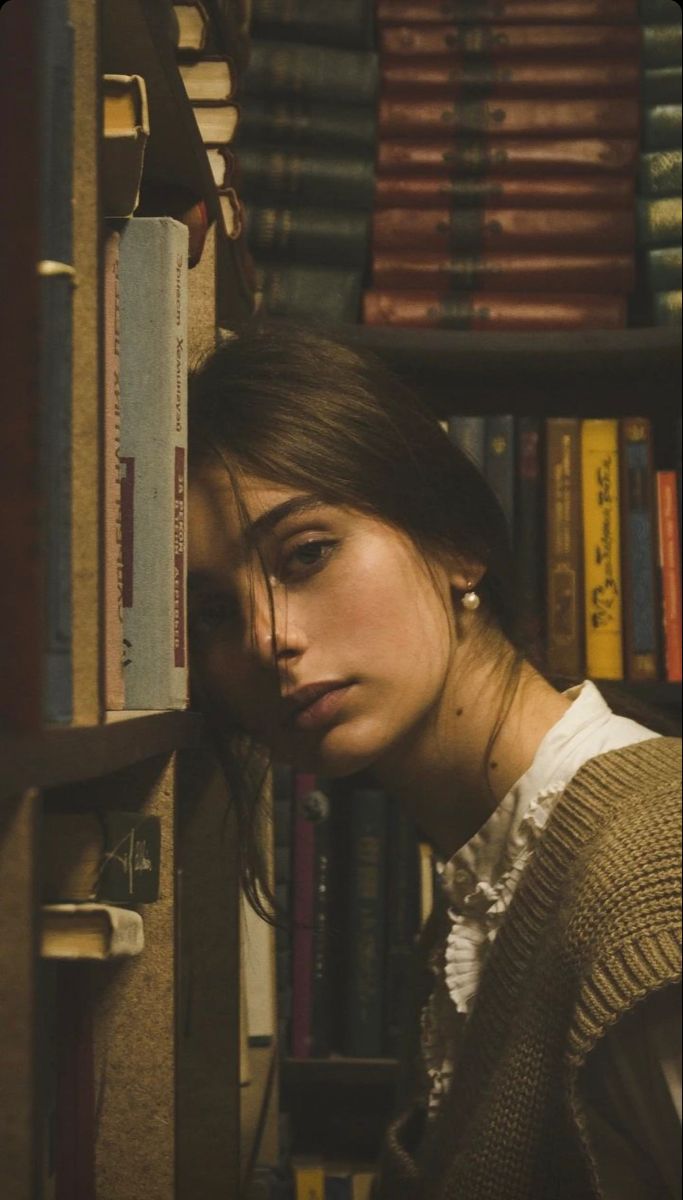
point(460, 764)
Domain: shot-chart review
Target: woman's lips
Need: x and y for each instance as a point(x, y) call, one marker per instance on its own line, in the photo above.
point(321, 710)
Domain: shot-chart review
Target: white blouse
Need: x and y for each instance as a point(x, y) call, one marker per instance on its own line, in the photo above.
point(479, 882)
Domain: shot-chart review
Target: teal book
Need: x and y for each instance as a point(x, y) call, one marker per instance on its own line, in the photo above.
point(469, 433)
point(366, 923)
point(153, 373)
point(307, 290)
point(661, 85)
point(660, 174)
point(307, 176)
point(660, 126)
point(290, 69)
point(662, 267)
point(499, 463)
point(323, 236)
point(317, 22)
point(56, 288)
point(297, 121)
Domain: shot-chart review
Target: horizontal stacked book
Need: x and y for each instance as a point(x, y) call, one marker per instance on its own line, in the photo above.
point(510, 138)
point(306, 145)
point(594, 525)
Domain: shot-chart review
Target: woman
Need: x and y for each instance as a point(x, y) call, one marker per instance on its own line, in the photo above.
point(351, 609)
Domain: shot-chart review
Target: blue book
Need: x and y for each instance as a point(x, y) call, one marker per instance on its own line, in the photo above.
point(56, 291)
point(499, 466)
point(469, 434)
point(642, 620)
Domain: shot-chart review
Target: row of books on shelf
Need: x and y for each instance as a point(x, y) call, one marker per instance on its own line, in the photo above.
point(596, 536)
point(313, 1177)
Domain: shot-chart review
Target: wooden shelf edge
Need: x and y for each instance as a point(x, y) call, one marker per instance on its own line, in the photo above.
point(71, 753)
point(314, 1071)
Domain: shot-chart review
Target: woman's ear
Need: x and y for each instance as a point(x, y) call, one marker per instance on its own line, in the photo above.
point(465, 576)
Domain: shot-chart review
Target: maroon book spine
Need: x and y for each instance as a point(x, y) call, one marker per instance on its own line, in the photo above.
point(439, 75)
point(558, 118)
point(490, 271)
point(490, 228)
point(525, 12)
point(504, 191)
point(509, 41)
point(492, 311)
point(475, 156)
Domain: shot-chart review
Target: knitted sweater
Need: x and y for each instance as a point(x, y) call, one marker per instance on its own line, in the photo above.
point(594, 926)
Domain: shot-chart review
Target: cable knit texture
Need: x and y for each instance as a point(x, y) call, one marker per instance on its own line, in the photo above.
point(593, 927)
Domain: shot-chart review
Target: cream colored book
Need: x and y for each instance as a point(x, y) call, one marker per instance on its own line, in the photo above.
point(90, 931)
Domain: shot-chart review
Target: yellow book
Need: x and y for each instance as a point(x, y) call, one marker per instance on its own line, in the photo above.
point(309, 1179)
point(601, 548)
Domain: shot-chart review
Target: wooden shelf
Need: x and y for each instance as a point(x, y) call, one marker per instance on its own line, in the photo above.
point(599, 372)
point(136, 41)
point(67, 754)
point(318, 1072)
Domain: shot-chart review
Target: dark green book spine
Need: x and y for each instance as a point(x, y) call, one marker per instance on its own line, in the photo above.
point(662, 44)
point(528, 537)
point(317, 22)
point(336, 237)
point(307, 177)
point(659, 221)
point(299, 122)
point(666, 308)
point(366, 912)
point(499, 463)
point(661, 127)
point(661, 85)
point(323, 293)
point(659, 173)
point(292, 69)
point(662, 268)
point(402, 925)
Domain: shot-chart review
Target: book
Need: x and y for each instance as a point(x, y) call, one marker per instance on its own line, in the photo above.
point(308, 1176)
point(305, 290)
point(662, 267)
point(259, 976)
point(282, 864)
point(193, 26)
point(316, 22)
point(498, 41)
point(661, 85)
point(469, 433)
point(616, 117)
point(336, 237)
point(303, 906)
point(453, 190)
point(210, 80)
point(90, 931)
point(528, 531)
point(216, 122)
point(348, 1181)
point(659, 220)
point(366, 917)
point(479, 155)
point(318, 808)
point(230, 212)
point(499, 463)
point(533, 12)
point(229, 31)
point(426, 882)
point(289, 68)
point(106, 856)
point(402, 904)
point(491, 228)
point(295, 121)
point(670, 571)
point(74, 1114)
point(638, 552)
point(307, 177)
point(445, 77)
point(125, 134)
point(666, 308)
point(660, 173)
point(153, 359)
point(602, 548)
point(492, 310)
point(660, 126)
point(223, 165)
point(564, 548)
point(503, 270)
point(56, 276)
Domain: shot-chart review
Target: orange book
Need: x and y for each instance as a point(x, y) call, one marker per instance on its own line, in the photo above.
point(456, 190)
point(492, 310)
point(445, 155)
point(670, 568)
point(503, 271)
point(492, 228)
point(616, 116)
point(532, 12)
point(441, 75)
point(508, 41)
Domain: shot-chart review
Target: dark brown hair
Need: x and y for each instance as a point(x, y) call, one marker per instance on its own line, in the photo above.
point(293, 406)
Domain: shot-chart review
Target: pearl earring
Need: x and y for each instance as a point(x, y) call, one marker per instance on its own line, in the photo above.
point(470, 599)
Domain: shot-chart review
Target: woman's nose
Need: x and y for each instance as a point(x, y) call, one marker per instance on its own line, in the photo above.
point(276, 634)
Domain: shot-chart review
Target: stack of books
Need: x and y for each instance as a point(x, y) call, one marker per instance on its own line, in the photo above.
point(306, 145)
point(507, 159)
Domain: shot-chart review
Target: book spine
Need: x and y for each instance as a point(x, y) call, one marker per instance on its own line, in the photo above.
point(516, 78)
point(298, 122)
point(294, 290)
point(303, 901)
point(321, 24)
point(660, 173)
point(553, 118)
point(153, 283)
point(309, 1181)
point(111, 517)
point(641, 642)
point(528, 531)
point(321, 1019)
point(666, 308)
point(661, 126)
point(670, 568)
point(532, 12)
point(75, 1124)
point(307, 177)
point(661, 85)
point(564, 548)
point(504, 271)
point(469, 433)
point(499, 463)
point(336, 237)
point(492, 310)
point(364, 1011)
point(661, 44)
point(448, 229)
point(662, 268)
point(282, 837)
point(602, 548)
point(495, 42)
point(284, 68)
point(503, 191)
point(541, 156)
point(402, 924)
point(56, 287)
point(659, 220)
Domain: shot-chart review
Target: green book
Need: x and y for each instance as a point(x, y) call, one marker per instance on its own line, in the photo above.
point(660, 174)
point(661, 85)
point(662, 44)
point(666, 308)
point(309, 290)
point(661, 127)
point(658, 221)
point(307, 176)
point(662, 268)
point(363, 1032)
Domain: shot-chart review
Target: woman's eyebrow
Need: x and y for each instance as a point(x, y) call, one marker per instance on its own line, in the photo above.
point(266, 522)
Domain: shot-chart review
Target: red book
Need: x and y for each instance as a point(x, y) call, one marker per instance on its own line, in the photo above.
point(553, 118)
point(670, 569)
point(457, 79)
point(504, 191)
point(531, 12)
point(489, 228)
point(502, 272)
point(525, 156)
point(492, 310)
point(508, 41)
point(303, 886)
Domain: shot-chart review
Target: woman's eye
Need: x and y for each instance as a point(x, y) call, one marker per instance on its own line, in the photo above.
point(308, 556)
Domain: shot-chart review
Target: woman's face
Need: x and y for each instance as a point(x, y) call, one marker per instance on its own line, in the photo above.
point(363, 645)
